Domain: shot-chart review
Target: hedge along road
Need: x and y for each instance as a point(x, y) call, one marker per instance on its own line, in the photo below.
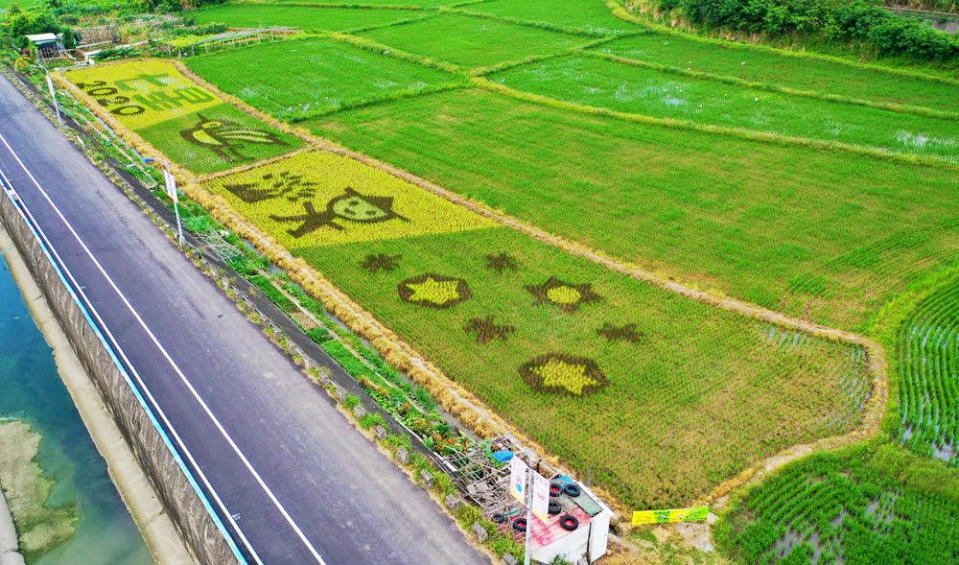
point(298, 481)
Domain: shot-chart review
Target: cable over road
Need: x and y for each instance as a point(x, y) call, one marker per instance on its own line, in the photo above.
point(292, 480)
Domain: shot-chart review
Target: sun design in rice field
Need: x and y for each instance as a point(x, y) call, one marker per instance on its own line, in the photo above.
point(434, 291)
point(564, 374)
point(567, 296)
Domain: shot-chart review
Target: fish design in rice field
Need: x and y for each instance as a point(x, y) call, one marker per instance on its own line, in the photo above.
point(350, 206)
point(226, 137)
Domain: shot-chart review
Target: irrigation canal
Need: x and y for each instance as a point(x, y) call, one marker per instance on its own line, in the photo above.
point(31, 392)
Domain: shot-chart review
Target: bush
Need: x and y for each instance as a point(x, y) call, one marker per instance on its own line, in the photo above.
point(862, 20)
point(17, 24)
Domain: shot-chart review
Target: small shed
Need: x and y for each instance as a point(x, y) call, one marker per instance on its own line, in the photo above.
point(47, 44)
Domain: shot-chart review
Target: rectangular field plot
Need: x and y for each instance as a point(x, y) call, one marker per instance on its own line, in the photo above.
point(593, 81)
point(591, 16)
point(806, 73)
point(616, 376)
point(296, 79)
point(824, 234)
point(184, 121)
point(472, 42)
point(307, 18)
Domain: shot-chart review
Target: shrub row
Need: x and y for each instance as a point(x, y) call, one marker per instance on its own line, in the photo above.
point(860, 20)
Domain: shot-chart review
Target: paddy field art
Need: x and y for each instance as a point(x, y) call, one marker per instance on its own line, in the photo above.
point(661, 260)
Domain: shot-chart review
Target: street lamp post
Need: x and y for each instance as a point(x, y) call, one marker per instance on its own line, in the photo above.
point(53, 95)
point(170, 183)
point(171, 189)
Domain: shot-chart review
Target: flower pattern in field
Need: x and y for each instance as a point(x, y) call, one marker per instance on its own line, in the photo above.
point(568, 297)
point(434, 291)
point(564, 374)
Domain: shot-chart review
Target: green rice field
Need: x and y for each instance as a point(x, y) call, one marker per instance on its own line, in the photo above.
point(762, 221)
point(300, 17)
point(472, 42)
point(609, 84)
point(773, 67)
point(331, 75)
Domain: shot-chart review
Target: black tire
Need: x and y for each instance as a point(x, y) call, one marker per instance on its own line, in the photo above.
point(499, 518)
point(555, 490)
point(519, 524)
point(569, 523)
point(554, 508)
point(572, 490)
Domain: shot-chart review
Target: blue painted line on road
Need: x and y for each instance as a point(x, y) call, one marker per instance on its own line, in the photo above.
point(22, 210)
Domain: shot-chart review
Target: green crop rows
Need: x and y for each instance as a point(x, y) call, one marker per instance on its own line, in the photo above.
point(819, 233)
point(305, 18)
point(330, 75)
point(863, 505)
point(594, 81)
point(588, 16)
point(929, 376)
point(472, 42)
point(770, 67)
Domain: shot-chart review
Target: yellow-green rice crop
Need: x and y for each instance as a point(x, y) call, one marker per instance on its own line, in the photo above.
point(184, 121)
point(621, 379)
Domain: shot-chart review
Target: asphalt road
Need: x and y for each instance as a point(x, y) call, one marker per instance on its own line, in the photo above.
point(300, 483)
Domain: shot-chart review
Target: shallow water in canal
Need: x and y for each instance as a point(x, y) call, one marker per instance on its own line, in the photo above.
point(31, 391)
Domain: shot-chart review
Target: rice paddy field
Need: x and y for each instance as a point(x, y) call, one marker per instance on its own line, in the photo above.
point(814, 187)
point(493, 307)
point(304, 18)
point(185, 122)
point(333, 76)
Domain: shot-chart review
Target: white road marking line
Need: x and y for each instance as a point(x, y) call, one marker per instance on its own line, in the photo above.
point(136, 374)
point(172, 363)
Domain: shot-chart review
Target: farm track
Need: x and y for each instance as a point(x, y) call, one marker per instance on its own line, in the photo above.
point(365, 323)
